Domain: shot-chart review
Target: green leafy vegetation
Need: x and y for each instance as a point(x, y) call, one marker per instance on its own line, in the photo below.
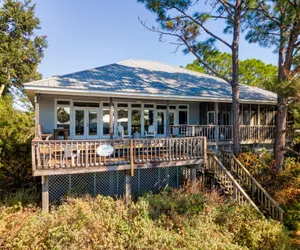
point(186, 218)
point(252, 72)
point(16, 133)
point(20, 49)
point(284, 187)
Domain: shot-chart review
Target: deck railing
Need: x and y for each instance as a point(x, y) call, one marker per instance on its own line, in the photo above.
point(228, 181)
point(257, 133)
point(251, 184)
point(80, 154)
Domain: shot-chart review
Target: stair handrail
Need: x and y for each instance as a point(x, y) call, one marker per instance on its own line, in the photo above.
point(257, 189)
point(238, 189)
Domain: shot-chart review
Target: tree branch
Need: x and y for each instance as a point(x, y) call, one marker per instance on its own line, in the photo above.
point(189, 47)
point(266, 13)
point(204, 28)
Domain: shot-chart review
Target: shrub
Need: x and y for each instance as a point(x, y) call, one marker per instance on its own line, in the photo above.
point(16, 132)
point(148, 223)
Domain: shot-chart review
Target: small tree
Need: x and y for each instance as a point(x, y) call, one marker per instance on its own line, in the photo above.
point(20, 49)
point(176, 20)
point(276, 23)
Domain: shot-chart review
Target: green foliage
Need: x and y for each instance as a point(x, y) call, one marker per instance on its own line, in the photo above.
point(285, 188)
point(149, 223)
point(252, 72)
point(16, 133)
point(20, 49)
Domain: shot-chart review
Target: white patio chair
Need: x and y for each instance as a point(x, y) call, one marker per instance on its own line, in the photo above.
point(69, 153)
point(121, 132)
point(151, 132)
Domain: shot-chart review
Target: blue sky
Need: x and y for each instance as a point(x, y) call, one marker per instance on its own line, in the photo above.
point(86, 34)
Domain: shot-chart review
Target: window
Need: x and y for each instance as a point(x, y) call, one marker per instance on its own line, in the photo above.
point(183, 117)
point(134, 105)
point(123, 119)
point(135, 121)
point(161, 106)
point(148, 105)
point(211, 118)
point(183, 107)
point(105, 121)
point(86, 104)
point(148, 118)
point(63, 115)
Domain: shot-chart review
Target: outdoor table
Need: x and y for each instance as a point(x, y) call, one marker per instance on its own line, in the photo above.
point(58, 130)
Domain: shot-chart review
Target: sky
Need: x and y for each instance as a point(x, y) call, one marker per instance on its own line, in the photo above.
point(92, 33)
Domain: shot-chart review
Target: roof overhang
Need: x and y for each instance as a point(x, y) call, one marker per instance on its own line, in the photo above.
point(32, 90)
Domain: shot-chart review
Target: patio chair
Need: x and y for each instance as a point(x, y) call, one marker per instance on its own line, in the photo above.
point(151, 132)
point(122, 133)
point(41, 136)
point(69, 153)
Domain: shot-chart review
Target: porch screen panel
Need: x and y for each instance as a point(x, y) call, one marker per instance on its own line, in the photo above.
point(263, 111)
point(135, 121)
point(246, 114)
point(254, 114)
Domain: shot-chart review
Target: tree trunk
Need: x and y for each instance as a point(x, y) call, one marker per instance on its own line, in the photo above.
point(235, 77)
point(236, 120)
point(280, 136)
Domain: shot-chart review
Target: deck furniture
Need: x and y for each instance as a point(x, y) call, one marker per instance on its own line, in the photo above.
point(42, 136)
point(151, 132)
point(122, 132)
point(59, 130)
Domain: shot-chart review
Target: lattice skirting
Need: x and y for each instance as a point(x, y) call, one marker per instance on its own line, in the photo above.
point(113, 183)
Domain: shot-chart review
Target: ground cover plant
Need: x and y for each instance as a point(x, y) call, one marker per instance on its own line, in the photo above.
point(186, 218)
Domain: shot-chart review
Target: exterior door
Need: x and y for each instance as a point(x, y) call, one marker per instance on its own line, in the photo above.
point(86, 123)
point(161, 123)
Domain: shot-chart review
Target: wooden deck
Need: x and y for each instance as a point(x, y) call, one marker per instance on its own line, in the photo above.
point(50, 157)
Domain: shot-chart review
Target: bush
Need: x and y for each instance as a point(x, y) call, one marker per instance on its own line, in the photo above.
point(285, 188)
point(16, 133)
point(188, 219)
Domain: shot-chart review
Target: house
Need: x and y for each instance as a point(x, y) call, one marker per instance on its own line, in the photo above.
point(156, 119)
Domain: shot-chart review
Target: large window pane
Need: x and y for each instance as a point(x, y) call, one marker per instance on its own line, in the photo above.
point(105, 121)
point(183, 117)
point(262, 112)
point(160, 123)
point(135, 121)
point(254, 114)
point(63, 117)
point(79, 122)
point(93, 122)
point(148, 118)
point(123, 119)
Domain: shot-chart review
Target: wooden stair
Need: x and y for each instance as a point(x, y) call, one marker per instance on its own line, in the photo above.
point(266, 204)
point(227, 184)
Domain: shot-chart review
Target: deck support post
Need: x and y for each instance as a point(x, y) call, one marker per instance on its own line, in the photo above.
point(127, 187)
point(216, 124)
point(37, 114)
point(193, 174)
point(45, 193)
point(168, 128)
point(111, 118)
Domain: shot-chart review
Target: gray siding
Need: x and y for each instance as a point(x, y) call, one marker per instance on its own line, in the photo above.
point(47, 113)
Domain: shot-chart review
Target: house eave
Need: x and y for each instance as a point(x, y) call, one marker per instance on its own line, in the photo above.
point(82, 92)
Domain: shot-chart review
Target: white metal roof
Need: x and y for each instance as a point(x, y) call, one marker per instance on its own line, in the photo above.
point(147, 78)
